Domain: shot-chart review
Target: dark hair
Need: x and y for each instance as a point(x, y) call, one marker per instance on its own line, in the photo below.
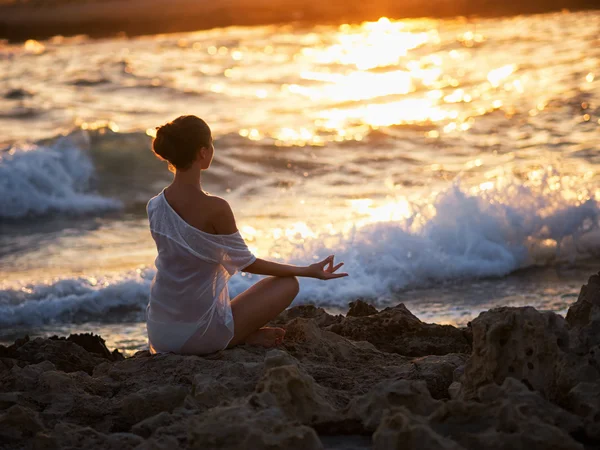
point(179, 141)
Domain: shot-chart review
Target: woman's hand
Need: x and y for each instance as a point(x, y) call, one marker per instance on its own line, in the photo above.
point(325, 270)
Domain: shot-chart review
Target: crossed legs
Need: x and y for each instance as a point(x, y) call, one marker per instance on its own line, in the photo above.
point(259, 304)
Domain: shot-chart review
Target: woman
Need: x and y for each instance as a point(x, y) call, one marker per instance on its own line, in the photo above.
point(199, 249)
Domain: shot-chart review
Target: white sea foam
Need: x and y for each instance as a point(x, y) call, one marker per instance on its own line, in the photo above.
point(43, 179)
point(468, 235)
point(74, 299)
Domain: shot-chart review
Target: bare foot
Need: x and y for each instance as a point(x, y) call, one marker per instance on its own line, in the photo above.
point(266, 337)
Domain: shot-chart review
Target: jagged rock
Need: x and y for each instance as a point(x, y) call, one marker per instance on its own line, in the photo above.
point(360, 308)
point(244, 428)
point(65, 355)
point(521, 343)
point(147, 402)
point(506, 417)
point(401, 430)
point(412, 395)
point(584, 400)
point(397, 330)
point(321, 317)
point(584, 318)
point(587, 307)
point(437, 371)
point(296, 394)
point(528, 345)
point(18, 423)
point(69, 436)
point(93, 344)
point(146, 427)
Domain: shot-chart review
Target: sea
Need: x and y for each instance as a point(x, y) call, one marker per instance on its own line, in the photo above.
point(453, 165)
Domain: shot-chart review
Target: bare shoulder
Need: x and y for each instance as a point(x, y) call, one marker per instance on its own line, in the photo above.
point(222, 217)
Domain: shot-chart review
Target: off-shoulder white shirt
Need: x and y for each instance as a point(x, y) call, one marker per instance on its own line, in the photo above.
point(189, 295)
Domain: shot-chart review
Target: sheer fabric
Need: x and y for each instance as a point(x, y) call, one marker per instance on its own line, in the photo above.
point(189, 300)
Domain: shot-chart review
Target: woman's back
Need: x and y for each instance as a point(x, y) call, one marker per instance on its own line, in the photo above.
point(189, 290)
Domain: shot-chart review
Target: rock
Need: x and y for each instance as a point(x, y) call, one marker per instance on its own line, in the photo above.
point(69, 436)
point(397, 330)
point(319, 316)
point(521, 343)
point(584, 400)
point(148, 402)
point(93, 344)
point(587, 307)
point(296, 394)
point(359, 308)
point(530, 346)
point(584, 317)
point(413, 395)
point(437, 371)
point(65, 355)
point(400, 430)
point(506, 417)
point(146, 427)
point(18, 423)
point(244, 428)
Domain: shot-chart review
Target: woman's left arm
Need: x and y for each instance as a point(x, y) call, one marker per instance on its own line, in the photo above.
point(323, 270)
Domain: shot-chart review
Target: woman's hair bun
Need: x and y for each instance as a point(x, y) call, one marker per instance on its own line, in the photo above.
point(179, 141)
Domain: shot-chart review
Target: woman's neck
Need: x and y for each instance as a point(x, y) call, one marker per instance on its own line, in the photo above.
point(187, 179)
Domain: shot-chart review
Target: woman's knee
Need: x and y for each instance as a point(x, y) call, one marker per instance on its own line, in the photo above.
point(291, 287)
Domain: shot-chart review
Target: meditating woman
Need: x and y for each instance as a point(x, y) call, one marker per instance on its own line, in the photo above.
point(199, 249)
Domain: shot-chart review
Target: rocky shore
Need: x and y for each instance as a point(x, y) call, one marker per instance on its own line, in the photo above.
point(515, 378)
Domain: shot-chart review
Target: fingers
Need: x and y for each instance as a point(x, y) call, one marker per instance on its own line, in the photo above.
point(326, 261)
point(336, 267)
point(331, 276)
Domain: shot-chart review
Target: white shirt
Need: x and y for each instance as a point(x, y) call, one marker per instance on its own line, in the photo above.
point(189, 291)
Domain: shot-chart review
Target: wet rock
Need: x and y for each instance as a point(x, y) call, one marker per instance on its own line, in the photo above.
point(360, 308)
point(397, 330)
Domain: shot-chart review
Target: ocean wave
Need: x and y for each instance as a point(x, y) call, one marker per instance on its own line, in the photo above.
point(40, 179)
point(461, 235)
point(75, 300)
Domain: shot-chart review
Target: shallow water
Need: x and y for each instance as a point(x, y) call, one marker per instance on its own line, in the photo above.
point(451, 165)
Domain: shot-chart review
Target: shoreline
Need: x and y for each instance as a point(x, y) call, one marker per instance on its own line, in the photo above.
point(19, 21)
point(515, 378)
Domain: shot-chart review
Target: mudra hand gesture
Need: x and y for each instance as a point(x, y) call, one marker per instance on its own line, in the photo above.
point(325, 270)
